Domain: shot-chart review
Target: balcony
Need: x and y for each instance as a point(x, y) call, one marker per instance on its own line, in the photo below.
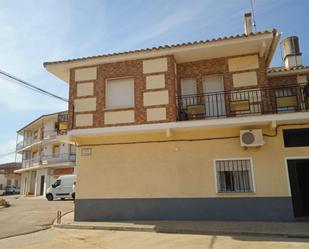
point(253, 101)
point(26, 163)
point(49, 134)
point(49, 160)
point(60, 158)
point(46, 136)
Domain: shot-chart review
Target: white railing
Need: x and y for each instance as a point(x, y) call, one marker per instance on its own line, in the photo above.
point(60, 158)
point(51, 134)
point(26, 163)
point(48, 159)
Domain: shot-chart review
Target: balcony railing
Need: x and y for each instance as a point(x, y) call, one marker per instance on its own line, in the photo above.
point(26, 163)
point(49, 134)
point(60, 158)
point(46, 135)
point(255, 101)
point(48, 159)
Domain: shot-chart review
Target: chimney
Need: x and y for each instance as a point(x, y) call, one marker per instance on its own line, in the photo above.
point(291, 52)
point(248, 23)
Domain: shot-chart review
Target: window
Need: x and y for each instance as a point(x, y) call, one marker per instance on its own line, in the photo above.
point(296, 137)
point(286, 100)
point(119, 93)
point(56, 183)
point(234, 176)
point(188, 92)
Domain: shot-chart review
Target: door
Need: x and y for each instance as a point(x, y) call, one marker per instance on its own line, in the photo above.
point(299, 184)
point(188, 92)
point(213, 87)
point(42, 185)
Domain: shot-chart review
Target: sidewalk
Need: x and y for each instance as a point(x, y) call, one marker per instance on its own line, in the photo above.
point(277, 229)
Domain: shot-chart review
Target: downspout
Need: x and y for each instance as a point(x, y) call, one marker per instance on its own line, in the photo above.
point(273, 46)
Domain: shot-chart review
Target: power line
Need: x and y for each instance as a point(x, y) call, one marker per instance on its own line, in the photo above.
point(25, 84)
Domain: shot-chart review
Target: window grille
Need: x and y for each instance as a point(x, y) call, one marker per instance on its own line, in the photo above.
point(234, 176)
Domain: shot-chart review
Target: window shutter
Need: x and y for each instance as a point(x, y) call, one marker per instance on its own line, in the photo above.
point(119, 93)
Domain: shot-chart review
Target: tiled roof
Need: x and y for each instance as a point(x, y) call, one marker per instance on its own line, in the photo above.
point(284, 69)
point(10, 165)
point(166, 46)
point(42, 116)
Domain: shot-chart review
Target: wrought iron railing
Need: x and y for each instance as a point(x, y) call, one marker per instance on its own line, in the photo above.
point(254, 101)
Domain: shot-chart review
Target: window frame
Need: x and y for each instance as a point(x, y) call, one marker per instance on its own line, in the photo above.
point(286, 133)
point(106, 92)
point(232, 159)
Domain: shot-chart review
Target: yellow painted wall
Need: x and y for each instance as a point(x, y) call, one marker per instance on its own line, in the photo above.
point(155, 81)
point(179, 168)
point(89, 73)
point(156, 98)
point(243, 63)
point(155, 65)
point(84, 120)
point(155, 114)
point(84, 89)
point(85, 104)
point(119, 117)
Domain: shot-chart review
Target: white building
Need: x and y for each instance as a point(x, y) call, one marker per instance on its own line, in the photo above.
point(44, 158)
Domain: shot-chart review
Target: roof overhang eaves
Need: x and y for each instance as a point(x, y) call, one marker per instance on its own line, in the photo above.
point(61, 69)
point(37, 120)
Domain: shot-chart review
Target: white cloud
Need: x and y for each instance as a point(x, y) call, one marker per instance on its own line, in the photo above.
point(181, 15)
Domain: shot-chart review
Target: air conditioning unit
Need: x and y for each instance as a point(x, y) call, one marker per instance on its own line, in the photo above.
point(251, 138)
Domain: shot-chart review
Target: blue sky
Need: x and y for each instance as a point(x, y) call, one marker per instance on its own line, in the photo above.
point(34, 31)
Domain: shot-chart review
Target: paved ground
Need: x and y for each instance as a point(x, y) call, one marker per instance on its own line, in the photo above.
point(28, 214)
point(282, 229)
point(66, 239)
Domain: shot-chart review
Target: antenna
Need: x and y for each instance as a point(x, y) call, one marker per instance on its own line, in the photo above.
point(253, 15)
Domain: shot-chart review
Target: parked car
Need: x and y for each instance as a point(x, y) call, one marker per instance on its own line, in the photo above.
point(73, 187)
point(2, 191)
point(62, 188)
point(11, 189)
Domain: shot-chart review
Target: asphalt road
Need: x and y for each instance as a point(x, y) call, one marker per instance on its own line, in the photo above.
point(28, 214)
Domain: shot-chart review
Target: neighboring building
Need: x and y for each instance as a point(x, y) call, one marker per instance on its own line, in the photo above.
point(7, 175)
point(201, 130)
point(44, 158)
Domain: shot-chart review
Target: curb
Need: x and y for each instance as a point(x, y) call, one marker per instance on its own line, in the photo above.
point(110, 228)
point(182, 231)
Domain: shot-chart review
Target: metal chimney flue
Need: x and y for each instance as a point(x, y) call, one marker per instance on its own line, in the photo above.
point(248, 23)
point(291, 52)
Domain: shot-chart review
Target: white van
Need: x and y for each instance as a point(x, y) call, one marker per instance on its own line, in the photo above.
point(62, 188)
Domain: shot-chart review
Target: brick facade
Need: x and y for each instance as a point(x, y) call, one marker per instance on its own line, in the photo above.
point(125, 69)
point(173, 75)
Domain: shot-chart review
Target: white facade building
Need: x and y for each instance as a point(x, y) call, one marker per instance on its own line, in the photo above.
point(44, 158)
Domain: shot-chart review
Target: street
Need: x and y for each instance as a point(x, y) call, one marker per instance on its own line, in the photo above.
point(28, 214)
point(65, 239)
point(22, 226)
